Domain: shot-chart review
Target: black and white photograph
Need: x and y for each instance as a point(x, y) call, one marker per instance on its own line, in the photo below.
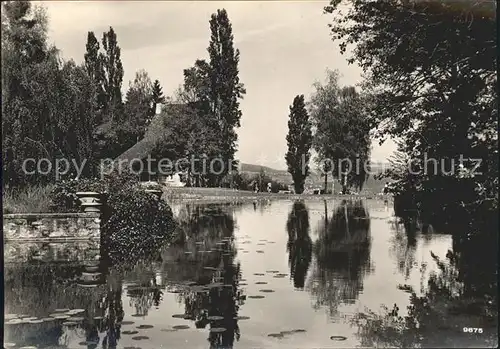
point(250, 174)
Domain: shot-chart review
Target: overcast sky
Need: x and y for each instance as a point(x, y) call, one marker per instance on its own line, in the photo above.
point(285, 47)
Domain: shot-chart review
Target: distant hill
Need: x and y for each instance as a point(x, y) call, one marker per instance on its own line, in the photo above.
point(257, 168)
point(314, 179)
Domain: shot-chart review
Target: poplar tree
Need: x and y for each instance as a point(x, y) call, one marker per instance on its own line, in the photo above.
point(299, 141)
point(225, 87)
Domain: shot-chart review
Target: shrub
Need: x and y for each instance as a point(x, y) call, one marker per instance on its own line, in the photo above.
point(136, 222)
point(133, 221)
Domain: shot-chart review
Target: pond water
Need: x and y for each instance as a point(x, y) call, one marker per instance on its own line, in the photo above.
point(270, 274)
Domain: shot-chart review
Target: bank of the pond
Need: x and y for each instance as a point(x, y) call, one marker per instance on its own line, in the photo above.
point(225, 195)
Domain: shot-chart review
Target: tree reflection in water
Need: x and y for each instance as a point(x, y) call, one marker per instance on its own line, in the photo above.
point(463, 292)
point(299, 246)
point(403, 247)
point(206, 257)
point(342, 253)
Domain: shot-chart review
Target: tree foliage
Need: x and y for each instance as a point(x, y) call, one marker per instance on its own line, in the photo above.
point(47, 104)
point(112, 74)
point(431, 70)
point(225, 88)
point(342, 131)
point(299, 140)
point(139, 103)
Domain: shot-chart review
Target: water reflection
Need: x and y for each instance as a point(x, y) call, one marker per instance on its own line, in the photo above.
point(50, 301)
point(205, 262)
point(403, 248)
point(172, 291)
point(342, 254)
point(462, 290)
point(299, 246)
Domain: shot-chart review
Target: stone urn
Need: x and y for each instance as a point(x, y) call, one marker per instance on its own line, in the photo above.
point(156, 192)
point(90, 201)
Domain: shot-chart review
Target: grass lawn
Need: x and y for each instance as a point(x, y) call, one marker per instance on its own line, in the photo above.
point(31, 199)
point(182, 194)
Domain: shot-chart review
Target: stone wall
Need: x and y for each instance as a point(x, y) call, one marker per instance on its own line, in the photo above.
point(51, 227)
point(74, 251)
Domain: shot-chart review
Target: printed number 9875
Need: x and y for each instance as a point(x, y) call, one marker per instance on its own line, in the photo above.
point(472, 330)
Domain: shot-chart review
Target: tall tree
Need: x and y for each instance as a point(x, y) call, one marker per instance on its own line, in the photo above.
point(138, 104)
point(225, 87)
point(47, 104)
point(112, 75)
point(158, 97)
point(299, 140)
point(342, 131)
point(94, 69)
point(434, 82)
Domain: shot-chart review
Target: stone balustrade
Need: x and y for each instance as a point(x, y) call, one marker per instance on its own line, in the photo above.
point(51, 227)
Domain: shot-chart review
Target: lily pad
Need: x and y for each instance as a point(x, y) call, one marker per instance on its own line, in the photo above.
point(130, 332)
point(125, 323)
point(76, 311)
point(300, 330)
point(256, 297)
point(217, 329)
point(61, 310)
point(37, 321)
point(180, 327)
point(280, 276)
point(241, 318)
point(59, 316)
point(267, 291)
point(15, 322)
point(179, 316)
point(86, 343)
point(168, 330)
point(143, 327)
point(140, 338)
point(259, 251)
point(338, 338)
point(261, 283)
point(259, 274)
point(275, 335)
point(272, 271)
point(76, 318)
point(69, 323)
point(215, 318)
point(47, 319)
